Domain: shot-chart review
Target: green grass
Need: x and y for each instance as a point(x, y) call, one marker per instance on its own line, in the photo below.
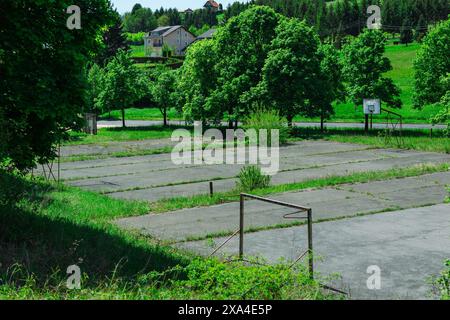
point(109, 135)
point(419, 140)
point(141, 114)
point(45, 228)
point(137, 51)
point(172, 204)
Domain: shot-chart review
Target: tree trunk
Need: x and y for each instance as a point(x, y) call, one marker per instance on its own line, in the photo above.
point(230, 124)
point(290, 119)
point(366, 127)
point(123, 118)
point(321, 123)
point(165, 117)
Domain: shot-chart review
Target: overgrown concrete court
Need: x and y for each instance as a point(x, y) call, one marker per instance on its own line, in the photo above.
point(400, 225)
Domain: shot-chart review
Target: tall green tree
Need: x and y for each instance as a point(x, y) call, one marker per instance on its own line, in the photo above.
point(406, 33)
point(243, 43)
point(42, 74)
point(164, 92)
point(291, 73)
point(432, 68)
point(113, 40)
point(141, 20)
point(95, 75)
point(364, 64)
point(123, 84)
point(136, 7)
point(198, 80)
point(163, 21)
point(331, 83)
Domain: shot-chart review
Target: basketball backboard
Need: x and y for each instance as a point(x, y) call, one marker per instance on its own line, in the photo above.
point(372, 106)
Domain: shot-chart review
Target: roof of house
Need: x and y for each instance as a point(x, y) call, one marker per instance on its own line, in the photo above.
point(207, 35)
point(164, 31)
point(212, 3)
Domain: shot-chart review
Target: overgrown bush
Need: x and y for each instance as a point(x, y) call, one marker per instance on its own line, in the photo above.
point(268, 120)
point(135, 38)
point(251, 178)
point(212, 279)
point(443, 282)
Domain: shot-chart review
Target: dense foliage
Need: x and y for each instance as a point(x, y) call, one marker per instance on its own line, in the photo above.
point(121, 85)
point(198, 79)
point(164, 92)
point(144, 19)
point(114, 40)
point(432, 66)
point(291, 73)
point(364, 65)
point(42, 79)
point(247, 65)
point(331, 18)
point(432, 73)
point(243, 43)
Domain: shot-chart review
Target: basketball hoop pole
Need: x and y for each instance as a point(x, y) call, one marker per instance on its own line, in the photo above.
point(366, 127)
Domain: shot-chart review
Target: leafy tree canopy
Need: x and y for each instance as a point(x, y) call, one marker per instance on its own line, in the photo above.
point(198, 79)
point(432, 66)
point(42, 82)
point(122, 84)
point(364, 64)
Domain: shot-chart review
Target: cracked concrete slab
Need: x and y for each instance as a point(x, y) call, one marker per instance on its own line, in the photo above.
point(156, 177)
point(328, 203)
point(408, 246)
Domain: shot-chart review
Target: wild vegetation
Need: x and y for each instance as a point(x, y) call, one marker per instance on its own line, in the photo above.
point(277, 63)
point(45, 228)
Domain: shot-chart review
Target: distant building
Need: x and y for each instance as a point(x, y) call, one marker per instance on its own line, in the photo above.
point(207, 35)
point(177, 38)
point(188, 11)
point(212, 5)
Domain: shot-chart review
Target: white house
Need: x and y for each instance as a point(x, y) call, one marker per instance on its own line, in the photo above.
point(177, 38)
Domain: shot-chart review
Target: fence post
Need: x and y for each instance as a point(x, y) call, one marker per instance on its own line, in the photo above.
point(310, 245)
point(241, 227)
point(211, 188)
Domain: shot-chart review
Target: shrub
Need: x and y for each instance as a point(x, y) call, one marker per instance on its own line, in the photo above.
point(268, 119)
point(443, 282)
point(251, 178)
point(211, 279)
point(135, 38)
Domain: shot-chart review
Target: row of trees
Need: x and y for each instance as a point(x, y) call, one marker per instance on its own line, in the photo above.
point(348, 17)
point(144, 19)
point(334, 19)
point(120, 84)
point(262, 58)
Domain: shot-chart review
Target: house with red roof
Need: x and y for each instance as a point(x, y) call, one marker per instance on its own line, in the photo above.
point(212, 5)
